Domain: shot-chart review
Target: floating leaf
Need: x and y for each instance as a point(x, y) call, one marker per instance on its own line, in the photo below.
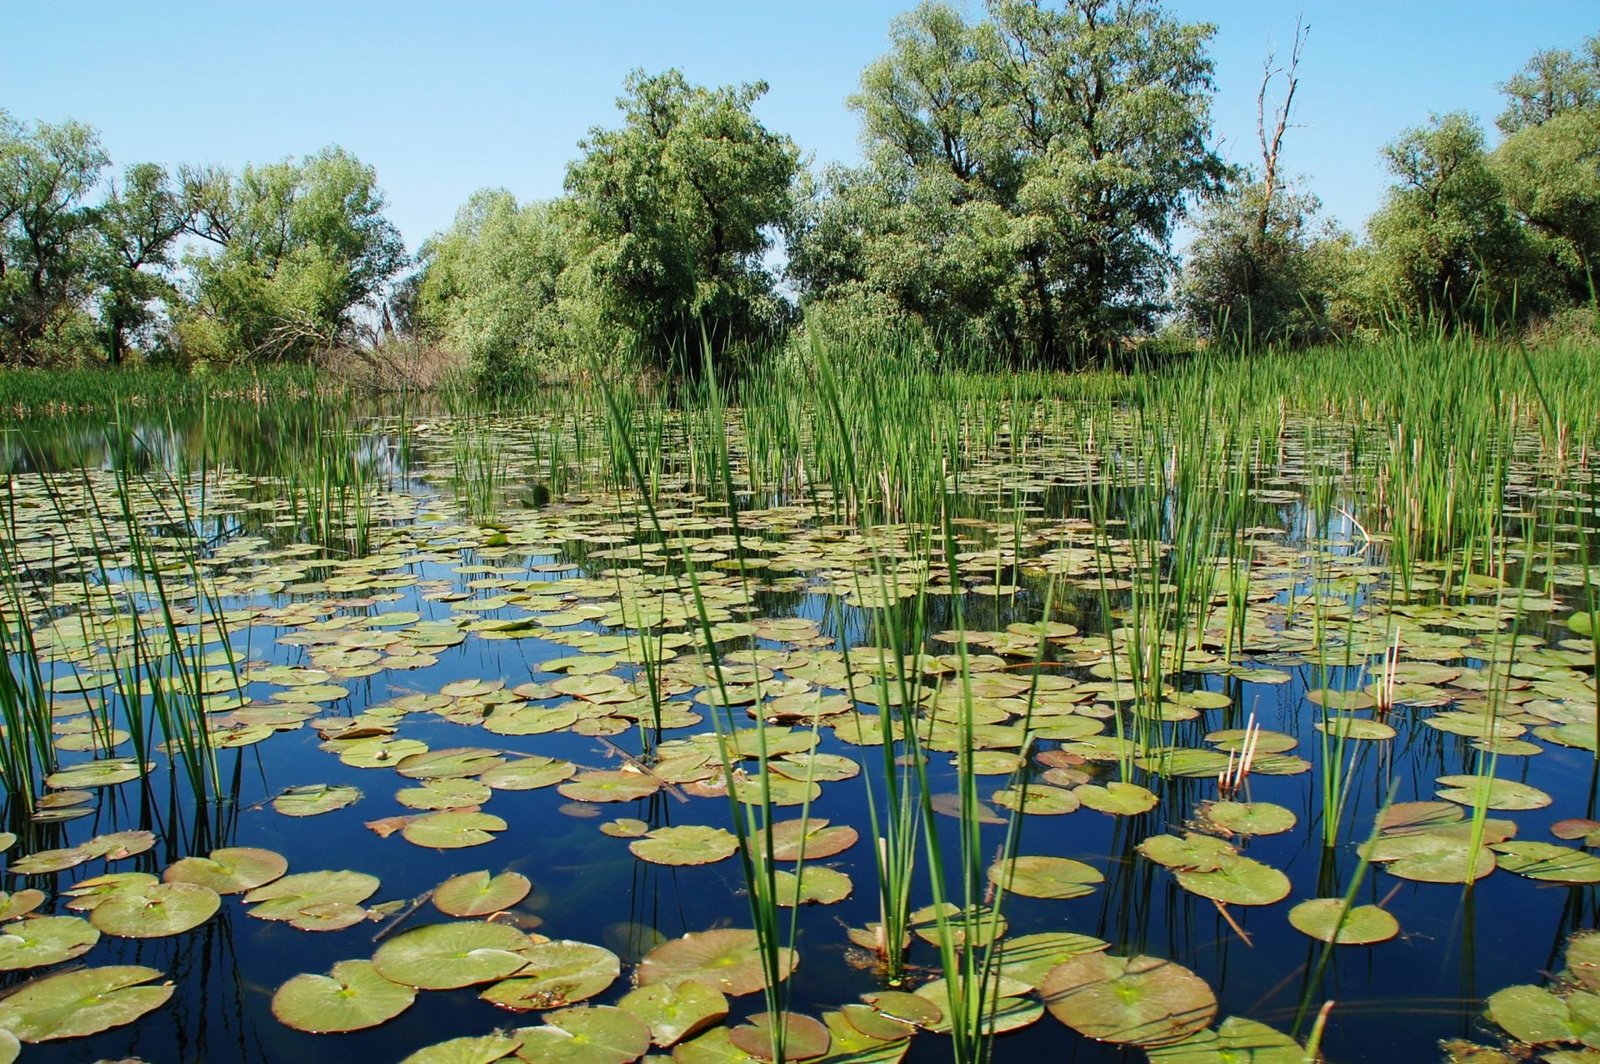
point(479, 894)
point(1549, 862)
point(588, 1034)
point(79, 1003)
point(1235, 1041)
point(446, 956)
point(1027, 959)
point(1363, 925)
point(814, 836)
point(231, 870)
point(452, 829)
point(1493, 793)
point(815, 885)
point(675, 1011)
point(1250, 818)
point(353, 997)
point(156, 911)
point(1142, 1001)
point(314, 799)
point(1237, 881)
point(801, 1036)
point(690, 844)
point(1045, 877)
point(316, 900)
point(1117, 798)
point(44, 940)
point(1536, 1016)
point(482, 1049)
point(557, 974)
point(612, 785)
point(528, 773)
point(728, 959)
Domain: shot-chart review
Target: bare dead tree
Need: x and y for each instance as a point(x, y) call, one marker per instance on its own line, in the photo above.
point(1273, 144)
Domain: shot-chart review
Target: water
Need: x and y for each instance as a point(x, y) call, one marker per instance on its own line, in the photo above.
point(1395, 1001)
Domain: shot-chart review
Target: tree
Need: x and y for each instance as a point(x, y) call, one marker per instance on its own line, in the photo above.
point(1446, 245)
point(678, 208)
point(45, 231)
point(1071, 138)
point(491, 285)
point(301, 248)
point(138, 227)
point(1553, 83)
point(1254, 269)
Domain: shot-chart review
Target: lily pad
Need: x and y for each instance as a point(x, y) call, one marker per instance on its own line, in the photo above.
point(1363, 925)
point(452, 829)
point(588, 1034)
point(1045, 877)
point(1493, 793)
point(1548, 862)
point(1117, 798)
point(815, 836)
point(78, 1003)
point(314, 799)
point(1250, 818)
point(230, 870)
point(313, 899)
point(156, 911)
point(1237, 881)
point(353, 997)
point(815, 885)
point(1534, 1015)
point(689, 844)
point(675, 1011)
point(1235, 1041)
point(44, 940)
point(479, 894)
point(557, 974)
point(802, 1037)
point(1141, 1001)
point(447, 956)
point(728, 959)
point(610, 785)
point(480, 1049)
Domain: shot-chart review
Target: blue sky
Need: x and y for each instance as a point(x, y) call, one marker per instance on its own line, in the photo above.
point(447, 97)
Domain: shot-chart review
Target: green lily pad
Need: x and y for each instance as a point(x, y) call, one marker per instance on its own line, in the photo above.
point(78, 1003)
point(1431, 857)
point(480, 1049)
point(625, 827)
point(1235, 1041)
point(1495, 793)
point(711, 1047)
point(528, 774)
point(353, 997)
point(1141, 1001)
point(588, 1034)
point(815, 885)
point(1026, 959)
point(44, 940)
point(452, 829)
point(444, 794)
point(156, 911)
point(1005, 1009)
point(1045, 877)
point(1363, 925)
point(1237, 881)
point(850, 1045)
point(1117, 798)
point(447, 956)
point(1037, 798)
point(1250, 818)
point(814, 836)
point(690, 844)
point(1193, 851)
point(801, 1037)
point(557, 974)
point(675, 1011)
point(455, 763)
point(313, 899)
point(609, 785)
point(106, 773)
point(231, 870)
point(728, 959)
point(20, 903)
point(1534, 1015)
point(479, 894)
point(1549, 862)
point(315, 799)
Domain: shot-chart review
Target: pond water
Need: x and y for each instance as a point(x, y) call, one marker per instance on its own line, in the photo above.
point(329, 602)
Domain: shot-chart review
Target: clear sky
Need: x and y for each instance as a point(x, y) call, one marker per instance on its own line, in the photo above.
point(453, 95)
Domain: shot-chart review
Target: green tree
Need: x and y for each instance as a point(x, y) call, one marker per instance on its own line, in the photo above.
point(679, 207)
point(1446, 246)
point(138, 227)
point(1070, 138)
point(490, 287)
point(1553, 83)
point(46, 234)
point(300, 249)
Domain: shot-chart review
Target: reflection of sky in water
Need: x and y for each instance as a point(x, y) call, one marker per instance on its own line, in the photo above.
point(1395, 1001)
